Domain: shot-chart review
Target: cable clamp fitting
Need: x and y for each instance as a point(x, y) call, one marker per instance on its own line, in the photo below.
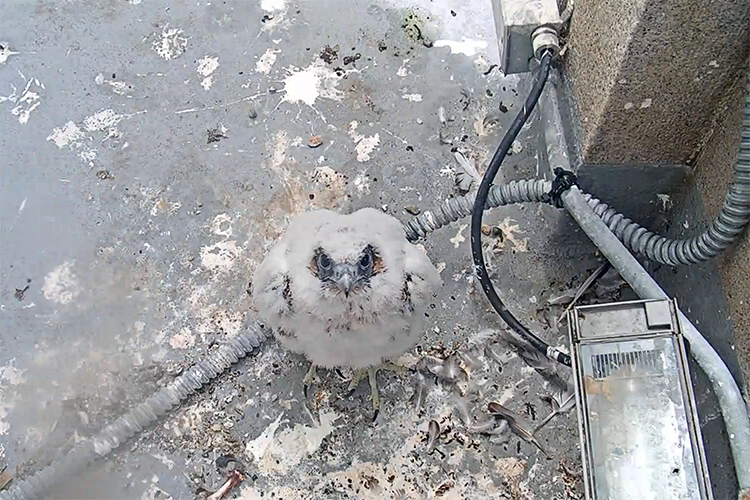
point(564, 180)
point(557, 355)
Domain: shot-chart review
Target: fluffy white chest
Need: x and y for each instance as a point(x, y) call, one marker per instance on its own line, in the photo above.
point(354, 339)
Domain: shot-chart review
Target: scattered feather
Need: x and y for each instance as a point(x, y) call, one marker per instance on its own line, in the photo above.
point(465, 99)
point(499, 411)
point(453, 370)
point(501, 359)
point(315, 421)
point(486, 427)
point(433, 431)
point(433, 365)
point(488, 251)
point(564, 298)
point(584, 287)
point(441, 115)
point(461, 410)
point(5, 478)
point(473, 356)
point(490, 427)
point(448, 370)
point(501, 439)
point(430, 363)
point(470, 360)
point(500, 429)
point(558, 375)
point(481, 338)
point(561, 402)
point(420, 393)
point(466, 173)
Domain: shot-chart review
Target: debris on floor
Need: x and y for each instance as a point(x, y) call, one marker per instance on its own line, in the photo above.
point(315, 141)
point(5, 478)
point(216, 134)
point(5, 52)
point(330, 54)
point(235, 478)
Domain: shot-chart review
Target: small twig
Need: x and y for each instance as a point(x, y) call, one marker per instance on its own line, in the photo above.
point(225, 105)
point(403, 141)
point(234, 479)
point(489, 70)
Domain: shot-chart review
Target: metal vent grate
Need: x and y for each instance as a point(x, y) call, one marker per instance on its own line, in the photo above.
point(632, 363)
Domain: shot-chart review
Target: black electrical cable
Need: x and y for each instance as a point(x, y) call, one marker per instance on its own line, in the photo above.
point(480, 203)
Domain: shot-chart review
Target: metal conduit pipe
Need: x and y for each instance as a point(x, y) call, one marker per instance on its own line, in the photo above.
point(552, 125)
point(121, 430)
point(723, 231)
point(730, 398)
point(523, 191)
point(607, 228)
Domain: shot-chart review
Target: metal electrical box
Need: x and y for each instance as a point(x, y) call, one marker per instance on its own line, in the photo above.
point(640, 437)
point(515, 21)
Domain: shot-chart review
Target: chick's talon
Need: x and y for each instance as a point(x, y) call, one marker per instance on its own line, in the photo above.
point(310, 378)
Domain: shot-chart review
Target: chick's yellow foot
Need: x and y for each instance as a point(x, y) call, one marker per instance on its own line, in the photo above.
point(372, 378)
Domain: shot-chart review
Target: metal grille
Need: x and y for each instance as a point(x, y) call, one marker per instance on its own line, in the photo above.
point(632, 363)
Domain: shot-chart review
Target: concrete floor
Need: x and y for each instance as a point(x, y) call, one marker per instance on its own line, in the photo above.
point(153, 151)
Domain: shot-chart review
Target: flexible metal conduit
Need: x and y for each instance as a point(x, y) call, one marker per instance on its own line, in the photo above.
point(143, 415)
point(523, 191)
point(720, 235)
point(727, 227)
point(730, 397)
point(722, 232)
point(635, 237)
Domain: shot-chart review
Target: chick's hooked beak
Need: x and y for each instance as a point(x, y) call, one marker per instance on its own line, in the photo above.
point(344, 275)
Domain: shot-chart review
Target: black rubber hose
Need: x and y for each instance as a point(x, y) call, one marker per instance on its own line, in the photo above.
point(481, 202)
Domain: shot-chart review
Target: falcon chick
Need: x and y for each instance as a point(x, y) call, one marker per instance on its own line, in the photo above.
point(345, 291)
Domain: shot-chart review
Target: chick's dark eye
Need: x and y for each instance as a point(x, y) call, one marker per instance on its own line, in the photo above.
point(324, 262)
point(365, 260)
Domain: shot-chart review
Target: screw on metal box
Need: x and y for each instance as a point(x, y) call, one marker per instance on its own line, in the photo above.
point(639, 429)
